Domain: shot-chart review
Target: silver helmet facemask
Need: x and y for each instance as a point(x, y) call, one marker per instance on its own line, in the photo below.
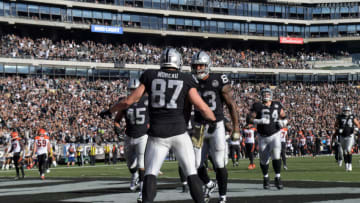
point(266, 95)
point(200, 58)
point(346, 110)
point(170, 58)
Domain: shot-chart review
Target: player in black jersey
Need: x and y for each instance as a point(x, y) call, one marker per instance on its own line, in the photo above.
point(168, 90)
point(269, 116)
point(345, 126)
point(215, 90)
point(137, 122)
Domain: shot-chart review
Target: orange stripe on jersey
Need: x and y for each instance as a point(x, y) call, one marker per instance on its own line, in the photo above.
point(254, 129)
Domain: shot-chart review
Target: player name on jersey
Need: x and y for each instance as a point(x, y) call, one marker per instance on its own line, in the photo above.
point(168, 75)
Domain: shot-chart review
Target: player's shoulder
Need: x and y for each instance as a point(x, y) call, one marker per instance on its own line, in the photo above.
point(218, 79)
point(37, 138)
point(257, 105)
point(277, 104)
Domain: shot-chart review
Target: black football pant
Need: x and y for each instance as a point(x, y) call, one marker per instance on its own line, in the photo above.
point(16, 158)
point(42, 163)
point(92, 160)
point(235, 150)
point(250, 148)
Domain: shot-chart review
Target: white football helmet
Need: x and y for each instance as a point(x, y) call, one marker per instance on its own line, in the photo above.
point(346, 110)
point(170, 58)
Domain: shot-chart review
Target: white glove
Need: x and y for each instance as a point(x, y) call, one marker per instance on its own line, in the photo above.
point(263, 121)
point(282, 123)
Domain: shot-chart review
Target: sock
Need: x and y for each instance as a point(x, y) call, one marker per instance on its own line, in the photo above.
point(182, 175)
point(277, 175)
point(149, 188)
point(222, 177)
point(264, 169)
point(195, 187)
point(133, 170)
point(277, 165)
point(203, 175)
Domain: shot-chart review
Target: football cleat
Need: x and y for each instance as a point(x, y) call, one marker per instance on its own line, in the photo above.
point(42, 177)
point(134, 184)
point(349, 167)
point(222, 200)
point(185, 188)
point(278, 183)
point(253, 166)
point(285, 168)
point(266, 183)
point(47, 170)
point(139, 199)
point(209, 190)
point(17, 178)
point(340, 163)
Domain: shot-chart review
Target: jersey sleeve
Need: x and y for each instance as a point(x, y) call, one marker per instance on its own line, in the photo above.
point(224, 80)
point(145, 78)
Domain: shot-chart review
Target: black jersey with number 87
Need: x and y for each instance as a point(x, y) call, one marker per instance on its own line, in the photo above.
point(167, 93)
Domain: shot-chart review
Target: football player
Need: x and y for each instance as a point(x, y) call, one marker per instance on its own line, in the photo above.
point(249, 134)
point(168, 90)
point(269, 116)
point(284, 137)
point(41, 149)
point(215, 90)
point(17, 147)
point(345, 125)
point(137, 123)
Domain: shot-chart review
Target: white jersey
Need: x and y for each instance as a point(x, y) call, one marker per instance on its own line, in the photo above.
point(283, 134)
point(41, 144)
point(15, 146)
point(249, 135)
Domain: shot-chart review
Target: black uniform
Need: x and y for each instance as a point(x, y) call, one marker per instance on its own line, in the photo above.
point(137, 118)
point(211, 92)
point(346, 123)
point(167, 92)
point(272, 113)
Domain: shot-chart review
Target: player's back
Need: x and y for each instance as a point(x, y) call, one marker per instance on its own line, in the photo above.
point(167, 91)
point(41, 144)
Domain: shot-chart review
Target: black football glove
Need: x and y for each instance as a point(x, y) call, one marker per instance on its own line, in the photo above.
point(212, 127)
point(105, 113)
point(117, 130)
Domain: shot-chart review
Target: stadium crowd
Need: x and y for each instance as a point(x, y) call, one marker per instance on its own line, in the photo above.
point(69, 108)
point(15, 46)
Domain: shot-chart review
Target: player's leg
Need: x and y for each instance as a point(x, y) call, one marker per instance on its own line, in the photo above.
point(218, 152)
point(155, 153)
point(265, 153)
point(275, 147)
point(131, 162)
point(283, 154)
point(140, 144)
point(16, 159)
point(183, 149)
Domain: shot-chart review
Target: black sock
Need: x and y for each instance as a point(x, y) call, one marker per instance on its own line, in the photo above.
point(222, 178)
point(350, 158)
point(149, 189)
point(17, 170)
point(133, 170)
point(264, 168)
point(203, 175)
point(22, 170)
point(182, 175)
point(195, 187)
point(141, 175)
point(277, 166)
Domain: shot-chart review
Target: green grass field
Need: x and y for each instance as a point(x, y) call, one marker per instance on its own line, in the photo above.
point(322, 168)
